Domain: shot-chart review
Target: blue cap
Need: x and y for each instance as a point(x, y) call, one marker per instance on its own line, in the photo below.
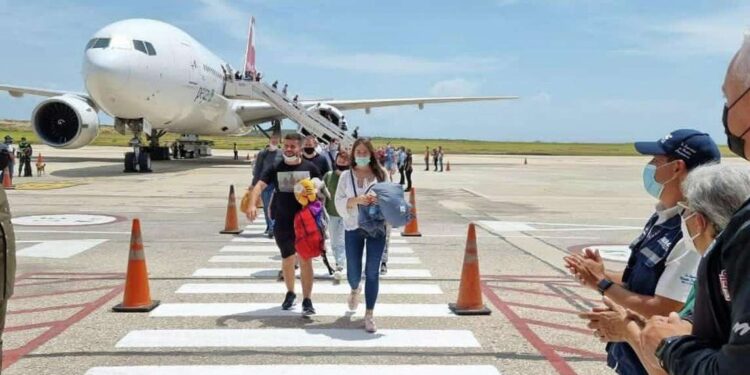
point(694, 147)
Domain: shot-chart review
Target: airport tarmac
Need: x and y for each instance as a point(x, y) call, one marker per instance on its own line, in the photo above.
point(219, 296)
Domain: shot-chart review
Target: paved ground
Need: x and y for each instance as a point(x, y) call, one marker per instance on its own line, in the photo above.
point(219, 305)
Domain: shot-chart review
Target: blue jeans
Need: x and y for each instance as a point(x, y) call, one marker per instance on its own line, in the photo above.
point(265, 196)
point(336, 232)
point(355, 241)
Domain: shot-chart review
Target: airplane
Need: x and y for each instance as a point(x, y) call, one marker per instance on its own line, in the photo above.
point(151, 77)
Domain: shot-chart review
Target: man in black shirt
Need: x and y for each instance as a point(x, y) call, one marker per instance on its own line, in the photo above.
point(284, 206)
point(720, 340)
point(310, 153)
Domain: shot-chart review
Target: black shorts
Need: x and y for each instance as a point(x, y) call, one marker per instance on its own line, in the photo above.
point(285, 241)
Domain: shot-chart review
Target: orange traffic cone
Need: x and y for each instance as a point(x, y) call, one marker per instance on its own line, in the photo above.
point(469, 291)
point(137, 296)
point(448, 167)
point(7, 184)
point(231, 225)
point(412, 228)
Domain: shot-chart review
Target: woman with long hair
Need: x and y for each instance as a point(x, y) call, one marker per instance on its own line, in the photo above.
point(351, 193)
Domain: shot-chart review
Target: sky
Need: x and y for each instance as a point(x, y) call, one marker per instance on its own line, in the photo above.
point(586, 70)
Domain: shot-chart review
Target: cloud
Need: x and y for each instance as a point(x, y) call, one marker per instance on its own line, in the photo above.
point(455, 87)
point(716, 34)
point(385, 63)
point(302, 50)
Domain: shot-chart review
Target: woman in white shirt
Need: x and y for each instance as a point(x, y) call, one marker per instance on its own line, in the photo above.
point(350, 194)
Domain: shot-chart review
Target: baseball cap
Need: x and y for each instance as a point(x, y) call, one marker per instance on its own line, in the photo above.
point(693, 146)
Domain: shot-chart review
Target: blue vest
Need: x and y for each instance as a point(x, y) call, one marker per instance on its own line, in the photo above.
point(646, 264)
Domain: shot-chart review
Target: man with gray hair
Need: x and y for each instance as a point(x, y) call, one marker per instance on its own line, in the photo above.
point(720, 340)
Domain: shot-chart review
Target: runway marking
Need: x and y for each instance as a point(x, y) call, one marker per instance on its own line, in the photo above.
point(70, 232)
point(276, 259)
point(58, 249)
point(298, 338)
point(397, 241)
point(264, 272)
point(500, 227)
point(52, 185)
point(274, 249)
point(254, 239)
point(280, 288)
point(274, 310)
point(255, 226)
point(359, 369)
point(63, 220)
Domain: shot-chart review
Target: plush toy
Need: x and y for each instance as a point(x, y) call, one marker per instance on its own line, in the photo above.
point(305, 191)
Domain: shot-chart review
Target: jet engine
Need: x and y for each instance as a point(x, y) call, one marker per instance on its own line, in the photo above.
point(65, 121)
point(329, 112)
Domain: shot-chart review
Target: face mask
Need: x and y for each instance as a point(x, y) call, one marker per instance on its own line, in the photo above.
point(291, 159)
point(653, 187)
point(362, 161)
point(736, 144)
point(342, 167)
point(688, 240)
point(309, 150)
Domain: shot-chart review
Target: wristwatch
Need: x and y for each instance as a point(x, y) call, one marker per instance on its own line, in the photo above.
point(662, 346)
point(603, 285)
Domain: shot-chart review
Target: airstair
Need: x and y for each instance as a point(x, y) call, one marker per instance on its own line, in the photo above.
point(308, 121)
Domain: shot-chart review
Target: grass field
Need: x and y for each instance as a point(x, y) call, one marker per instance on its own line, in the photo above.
point(108, 137)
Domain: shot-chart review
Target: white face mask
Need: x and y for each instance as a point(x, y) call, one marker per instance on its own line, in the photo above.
point(686, 238)
point(291, 159)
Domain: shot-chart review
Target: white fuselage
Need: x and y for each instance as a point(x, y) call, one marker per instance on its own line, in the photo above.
point(174, 84)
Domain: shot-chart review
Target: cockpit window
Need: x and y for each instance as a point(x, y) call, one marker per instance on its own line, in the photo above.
point(101, 43)
point(150, 49)
point(140, 46)
point(91, 43)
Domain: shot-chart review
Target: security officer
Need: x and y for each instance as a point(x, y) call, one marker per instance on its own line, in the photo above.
point(720, 341)
point(24, 154)
point(661, 269)
point(7, 260)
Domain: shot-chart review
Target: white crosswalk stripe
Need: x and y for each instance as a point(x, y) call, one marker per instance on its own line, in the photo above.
point(274, 310)
point(298, 338)
point(394, 273)
point(297, 370)
point(271, 248)
point(280, 288)
point(276, 259)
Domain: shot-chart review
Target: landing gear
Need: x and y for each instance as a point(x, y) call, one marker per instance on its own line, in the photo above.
point(139, 160)
point(157, 152)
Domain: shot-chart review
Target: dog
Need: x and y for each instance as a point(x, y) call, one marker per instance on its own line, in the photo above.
point(40, 168)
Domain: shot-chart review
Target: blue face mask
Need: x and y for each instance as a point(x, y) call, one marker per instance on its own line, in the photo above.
point(653, 187)
point(362, 161)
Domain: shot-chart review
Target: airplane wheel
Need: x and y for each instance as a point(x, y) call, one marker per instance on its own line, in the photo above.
point(130, 162)
point(144, 162)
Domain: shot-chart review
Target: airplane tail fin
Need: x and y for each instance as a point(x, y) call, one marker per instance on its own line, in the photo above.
point(250, 70)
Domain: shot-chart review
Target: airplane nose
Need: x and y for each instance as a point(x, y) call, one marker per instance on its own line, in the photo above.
point(105, 72)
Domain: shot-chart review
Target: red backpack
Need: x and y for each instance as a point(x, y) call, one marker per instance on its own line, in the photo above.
point(308, 240)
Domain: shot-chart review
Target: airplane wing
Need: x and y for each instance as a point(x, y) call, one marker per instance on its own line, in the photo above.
point(345, 105)
point(255, 112)
point(19, 91)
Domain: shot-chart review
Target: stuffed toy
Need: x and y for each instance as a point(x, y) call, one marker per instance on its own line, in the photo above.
point(305, 192)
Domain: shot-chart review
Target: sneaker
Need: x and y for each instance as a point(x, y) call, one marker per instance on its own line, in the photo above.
point(383, 269)
point(353, 299)
point(307, 307)
point(288, 301)
point(339, 273)
point(370, 324)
